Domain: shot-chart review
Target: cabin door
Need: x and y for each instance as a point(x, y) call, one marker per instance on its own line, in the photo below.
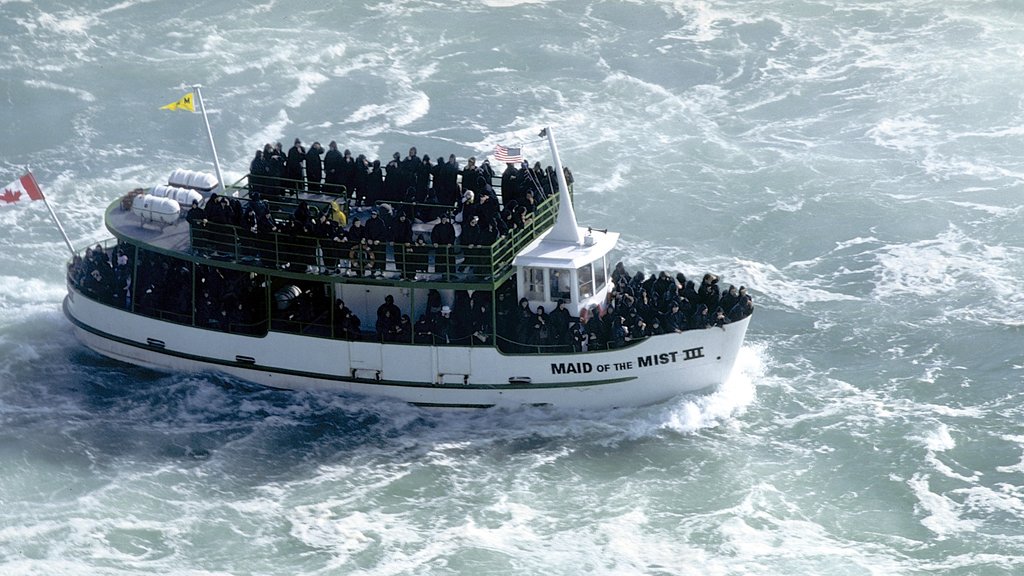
point(454, 365)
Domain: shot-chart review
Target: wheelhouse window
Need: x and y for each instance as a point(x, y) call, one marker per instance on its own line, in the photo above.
point(560, 279)
point(534, 283)
point(586, 278)
point(600, 274)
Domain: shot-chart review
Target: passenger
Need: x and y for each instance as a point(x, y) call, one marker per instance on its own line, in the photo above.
point(700, 319)
point(729, 299)
point(674, 320)
point(373, 190)
point(471, 240)
point(419, 257)
point(401, 244)
point(257, 169)
point(540, 332)
point(471, 176)
point(442, 236)
point(617, 333)
point(524, 323)
point(596, 339)
point(387, 326)
point(708, 293)
point(377, 236)
point(690, 292)
point(332, 243)
point(333, 169)
point(505, 314)
point(446, 187)
point(423, 172)
point(340, 319)
point(462, 318)
point(743, 308)
point(481, 320)
point(353, 327)
point(403, 332)
point(389, 308)
point(196, 216)
point(720, 319)
point(509, 179)
point(442, 330)
point(409, 171)
point(293, 166)
point(560, 321)
point(433, 303)
point(578, 334)
point(423, 331)
point(360, 259)
point(619, 273)
point(354, 174)
point(315, 167)
point(394, 190)
point(655, 327)
point(279, 169)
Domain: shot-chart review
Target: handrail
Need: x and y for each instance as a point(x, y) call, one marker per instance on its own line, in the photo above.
point(298, 252)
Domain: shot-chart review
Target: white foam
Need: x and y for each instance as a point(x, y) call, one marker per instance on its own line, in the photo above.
point(79, 93)
point(942, 515)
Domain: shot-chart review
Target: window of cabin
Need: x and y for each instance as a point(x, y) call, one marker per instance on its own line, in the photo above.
point(533, 281)
point(560, 279)
point(600, 274)
point(586, 277)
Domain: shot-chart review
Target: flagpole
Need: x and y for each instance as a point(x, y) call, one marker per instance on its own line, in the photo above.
point(53, 215)
point(209, 134)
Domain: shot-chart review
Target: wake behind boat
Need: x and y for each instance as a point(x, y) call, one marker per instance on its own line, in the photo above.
point(304, 281)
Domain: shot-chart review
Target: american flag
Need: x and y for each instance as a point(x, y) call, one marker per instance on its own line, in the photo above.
point(507, 155)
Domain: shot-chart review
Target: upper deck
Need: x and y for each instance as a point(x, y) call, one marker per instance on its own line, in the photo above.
point(299, 256)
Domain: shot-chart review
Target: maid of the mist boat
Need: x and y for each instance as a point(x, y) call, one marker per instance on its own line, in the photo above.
point(263, 305)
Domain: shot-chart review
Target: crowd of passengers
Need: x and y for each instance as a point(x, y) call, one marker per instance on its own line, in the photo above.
point(636, 307)
point(423, 191)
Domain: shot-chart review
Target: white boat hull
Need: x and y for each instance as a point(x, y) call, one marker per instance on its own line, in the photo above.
point(647, 372)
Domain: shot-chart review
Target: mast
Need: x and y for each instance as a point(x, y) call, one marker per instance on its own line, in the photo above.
point(209, 134)
point(565, 229)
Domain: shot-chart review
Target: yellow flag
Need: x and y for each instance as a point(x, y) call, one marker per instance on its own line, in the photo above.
point(184, 104)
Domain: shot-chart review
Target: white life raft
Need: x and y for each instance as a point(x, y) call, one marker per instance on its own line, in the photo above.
point(183, 196)
point(202, 181)
point(156, 209)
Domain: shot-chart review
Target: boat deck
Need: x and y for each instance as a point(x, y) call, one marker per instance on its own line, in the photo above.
point(236, 247)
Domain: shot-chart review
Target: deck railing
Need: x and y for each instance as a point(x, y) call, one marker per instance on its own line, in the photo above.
point(313, 255)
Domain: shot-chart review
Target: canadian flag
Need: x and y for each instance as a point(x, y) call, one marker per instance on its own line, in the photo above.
point(20, 189)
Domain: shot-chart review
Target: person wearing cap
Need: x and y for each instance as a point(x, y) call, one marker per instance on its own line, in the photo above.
point(293, 166)
point(442, 329)
point(442, 236)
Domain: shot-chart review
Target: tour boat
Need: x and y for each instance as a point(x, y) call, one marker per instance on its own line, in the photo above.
point(266, 307)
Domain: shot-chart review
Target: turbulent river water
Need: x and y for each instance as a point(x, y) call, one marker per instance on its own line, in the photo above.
point(855, 164)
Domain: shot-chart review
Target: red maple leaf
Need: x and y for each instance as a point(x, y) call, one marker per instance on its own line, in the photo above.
point(11, 196)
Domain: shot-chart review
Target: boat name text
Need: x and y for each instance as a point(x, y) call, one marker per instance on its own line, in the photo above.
point(641, 362)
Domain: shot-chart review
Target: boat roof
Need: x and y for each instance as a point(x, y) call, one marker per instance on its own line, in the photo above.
point(547, 252)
